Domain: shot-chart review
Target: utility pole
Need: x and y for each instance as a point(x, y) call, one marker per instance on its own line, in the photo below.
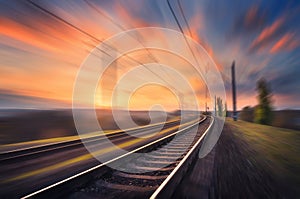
point(206, 89)
point(234, 115)
point(206, 100)
point(215, 105)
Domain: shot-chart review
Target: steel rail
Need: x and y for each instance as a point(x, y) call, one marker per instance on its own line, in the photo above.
point(162, 190)
point(6, 155)
point(48, 188)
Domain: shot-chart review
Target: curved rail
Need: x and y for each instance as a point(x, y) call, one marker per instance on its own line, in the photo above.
point(166, 189)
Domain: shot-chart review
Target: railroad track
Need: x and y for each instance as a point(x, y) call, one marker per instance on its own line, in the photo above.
point(158, 169)
point(42, 150)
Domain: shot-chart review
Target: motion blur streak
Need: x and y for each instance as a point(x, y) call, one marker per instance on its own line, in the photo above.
point(72, 161)
point(43, 45)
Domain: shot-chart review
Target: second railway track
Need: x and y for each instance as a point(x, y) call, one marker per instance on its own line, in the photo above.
point(157, 171)
point(41, 150)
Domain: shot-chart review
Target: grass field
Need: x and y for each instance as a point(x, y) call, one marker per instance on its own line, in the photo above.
point(276, 149)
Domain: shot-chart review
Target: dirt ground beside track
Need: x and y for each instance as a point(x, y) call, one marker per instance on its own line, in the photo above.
point(231, 170)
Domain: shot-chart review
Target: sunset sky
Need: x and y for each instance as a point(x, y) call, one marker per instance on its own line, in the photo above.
point(41, 54)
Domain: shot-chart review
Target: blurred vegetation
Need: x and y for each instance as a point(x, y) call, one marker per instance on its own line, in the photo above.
point(284, 118)
point(221, 108)
point(263, 111)
point(277, 149)
point(247, 114)
point(287, 119)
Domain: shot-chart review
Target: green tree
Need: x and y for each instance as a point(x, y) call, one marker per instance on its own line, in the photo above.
point(263, 111)
point(219, 106)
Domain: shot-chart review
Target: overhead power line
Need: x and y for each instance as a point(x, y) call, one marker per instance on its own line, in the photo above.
point(93, 37)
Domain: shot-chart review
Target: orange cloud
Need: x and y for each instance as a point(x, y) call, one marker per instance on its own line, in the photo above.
point(52, 74)
point(39, 83)
point(55, 38)
point(196, 23)
point(269, 31)
point(125, 16)
point(266, 36)
point(49, 76)
point(286, 42)
point(53, 78)
point(27, 35)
